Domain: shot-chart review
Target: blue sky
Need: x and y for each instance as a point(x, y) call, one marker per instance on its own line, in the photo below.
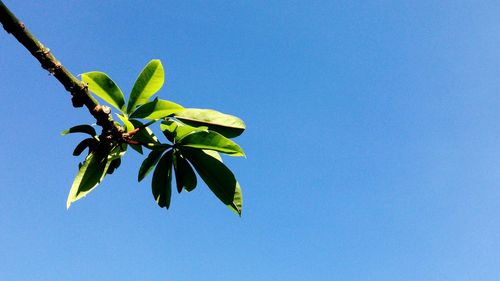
point(373, 142)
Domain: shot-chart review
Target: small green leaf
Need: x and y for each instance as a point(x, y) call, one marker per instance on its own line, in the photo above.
point(212, 141)
point(92, 172)
point(89, 176)
point(87, 129)
point(175, 130)
point(162, 181)
point(137, 147)
point(184, 174)
point(149, 163)
point(214, 154)
point(227, 125)
point(145, 136)
point(89, 142)
point(156, 109)
point(217, 177)
point(128, 125)
point(147, 84)
point(100, 84)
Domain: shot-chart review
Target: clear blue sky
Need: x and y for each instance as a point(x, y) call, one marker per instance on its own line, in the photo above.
point(373, 142)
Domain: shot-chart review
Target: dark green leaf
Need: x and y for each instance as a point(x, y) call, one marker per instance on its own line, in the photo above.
point(162, 180)
point(136, 147)
point(175, 130)
point(184, 174)
point(91, 173)
point(90, 142)
point(149, 163)
point(100, 84)
point(89, 176)
point(227, 125)
point(212, 141)
point(217, 177)
point(87, 129)
point(147, 84)
point(114, 165)
point(145, 136)
point(156, 109)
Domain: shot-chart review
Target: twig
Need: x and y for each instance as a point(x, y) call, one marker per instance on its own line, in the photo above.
point(80, 95)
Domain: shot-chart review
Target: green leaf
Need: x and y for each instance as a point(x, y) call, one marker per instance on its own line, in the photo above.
point(217, 177)
point(162, 181)
point(100, 84)
point(147, 84)
point(145, 135)
point(89, 176)
point(87, 129)
point(137, 147)
point(212, 141)
point(184, 174)
point(214, 154)
point(89, 142)
point(175, 130)
point(227, 125)
point(128, 125)
point(91, 173)
point(156, 109)
point(148, 164)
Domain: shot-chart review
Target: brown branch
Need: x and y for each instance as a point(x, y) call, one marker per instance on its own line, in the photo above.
point(80, 95)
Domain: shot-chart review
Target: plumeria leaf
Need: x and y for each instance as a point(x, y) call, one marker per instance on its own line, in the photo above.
point(102, 86)
point(162, 180)
point(91, 173)
point(87, 129)
point(127, 124)
point(211, 141)
point(145, 135)
point(149, 163)
point(89, 142)
point(175, 130)
point(225, 124)
point(147, 84)
point(156, 109)
point(184, 174)
point(217, 177)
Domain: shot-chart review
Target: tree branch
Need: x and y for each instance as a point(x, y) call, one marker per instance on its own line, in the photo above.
point(80, 95)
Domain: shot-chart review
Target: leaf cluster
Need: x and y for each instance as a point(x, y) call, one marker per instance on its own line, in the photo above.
point(195, 138)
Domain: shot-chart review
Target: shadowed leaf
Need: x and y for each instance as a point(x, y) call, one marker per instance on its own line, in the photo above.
point(162, 180)
point(217, 177)
point(87, 129)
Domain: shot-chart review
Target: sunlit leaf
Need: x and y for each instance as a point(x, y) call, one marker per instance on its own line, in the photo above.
point(156, 109)
point(147, 84)
point(212, 141)
point(217, 177)
point(87, 129)
point(128, 125)
point(225, 124)
point(102, 86)
point(162, 180)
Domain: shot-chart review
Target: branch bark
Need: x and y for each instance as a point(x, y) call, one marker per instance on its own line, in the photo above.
point(80, 95)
